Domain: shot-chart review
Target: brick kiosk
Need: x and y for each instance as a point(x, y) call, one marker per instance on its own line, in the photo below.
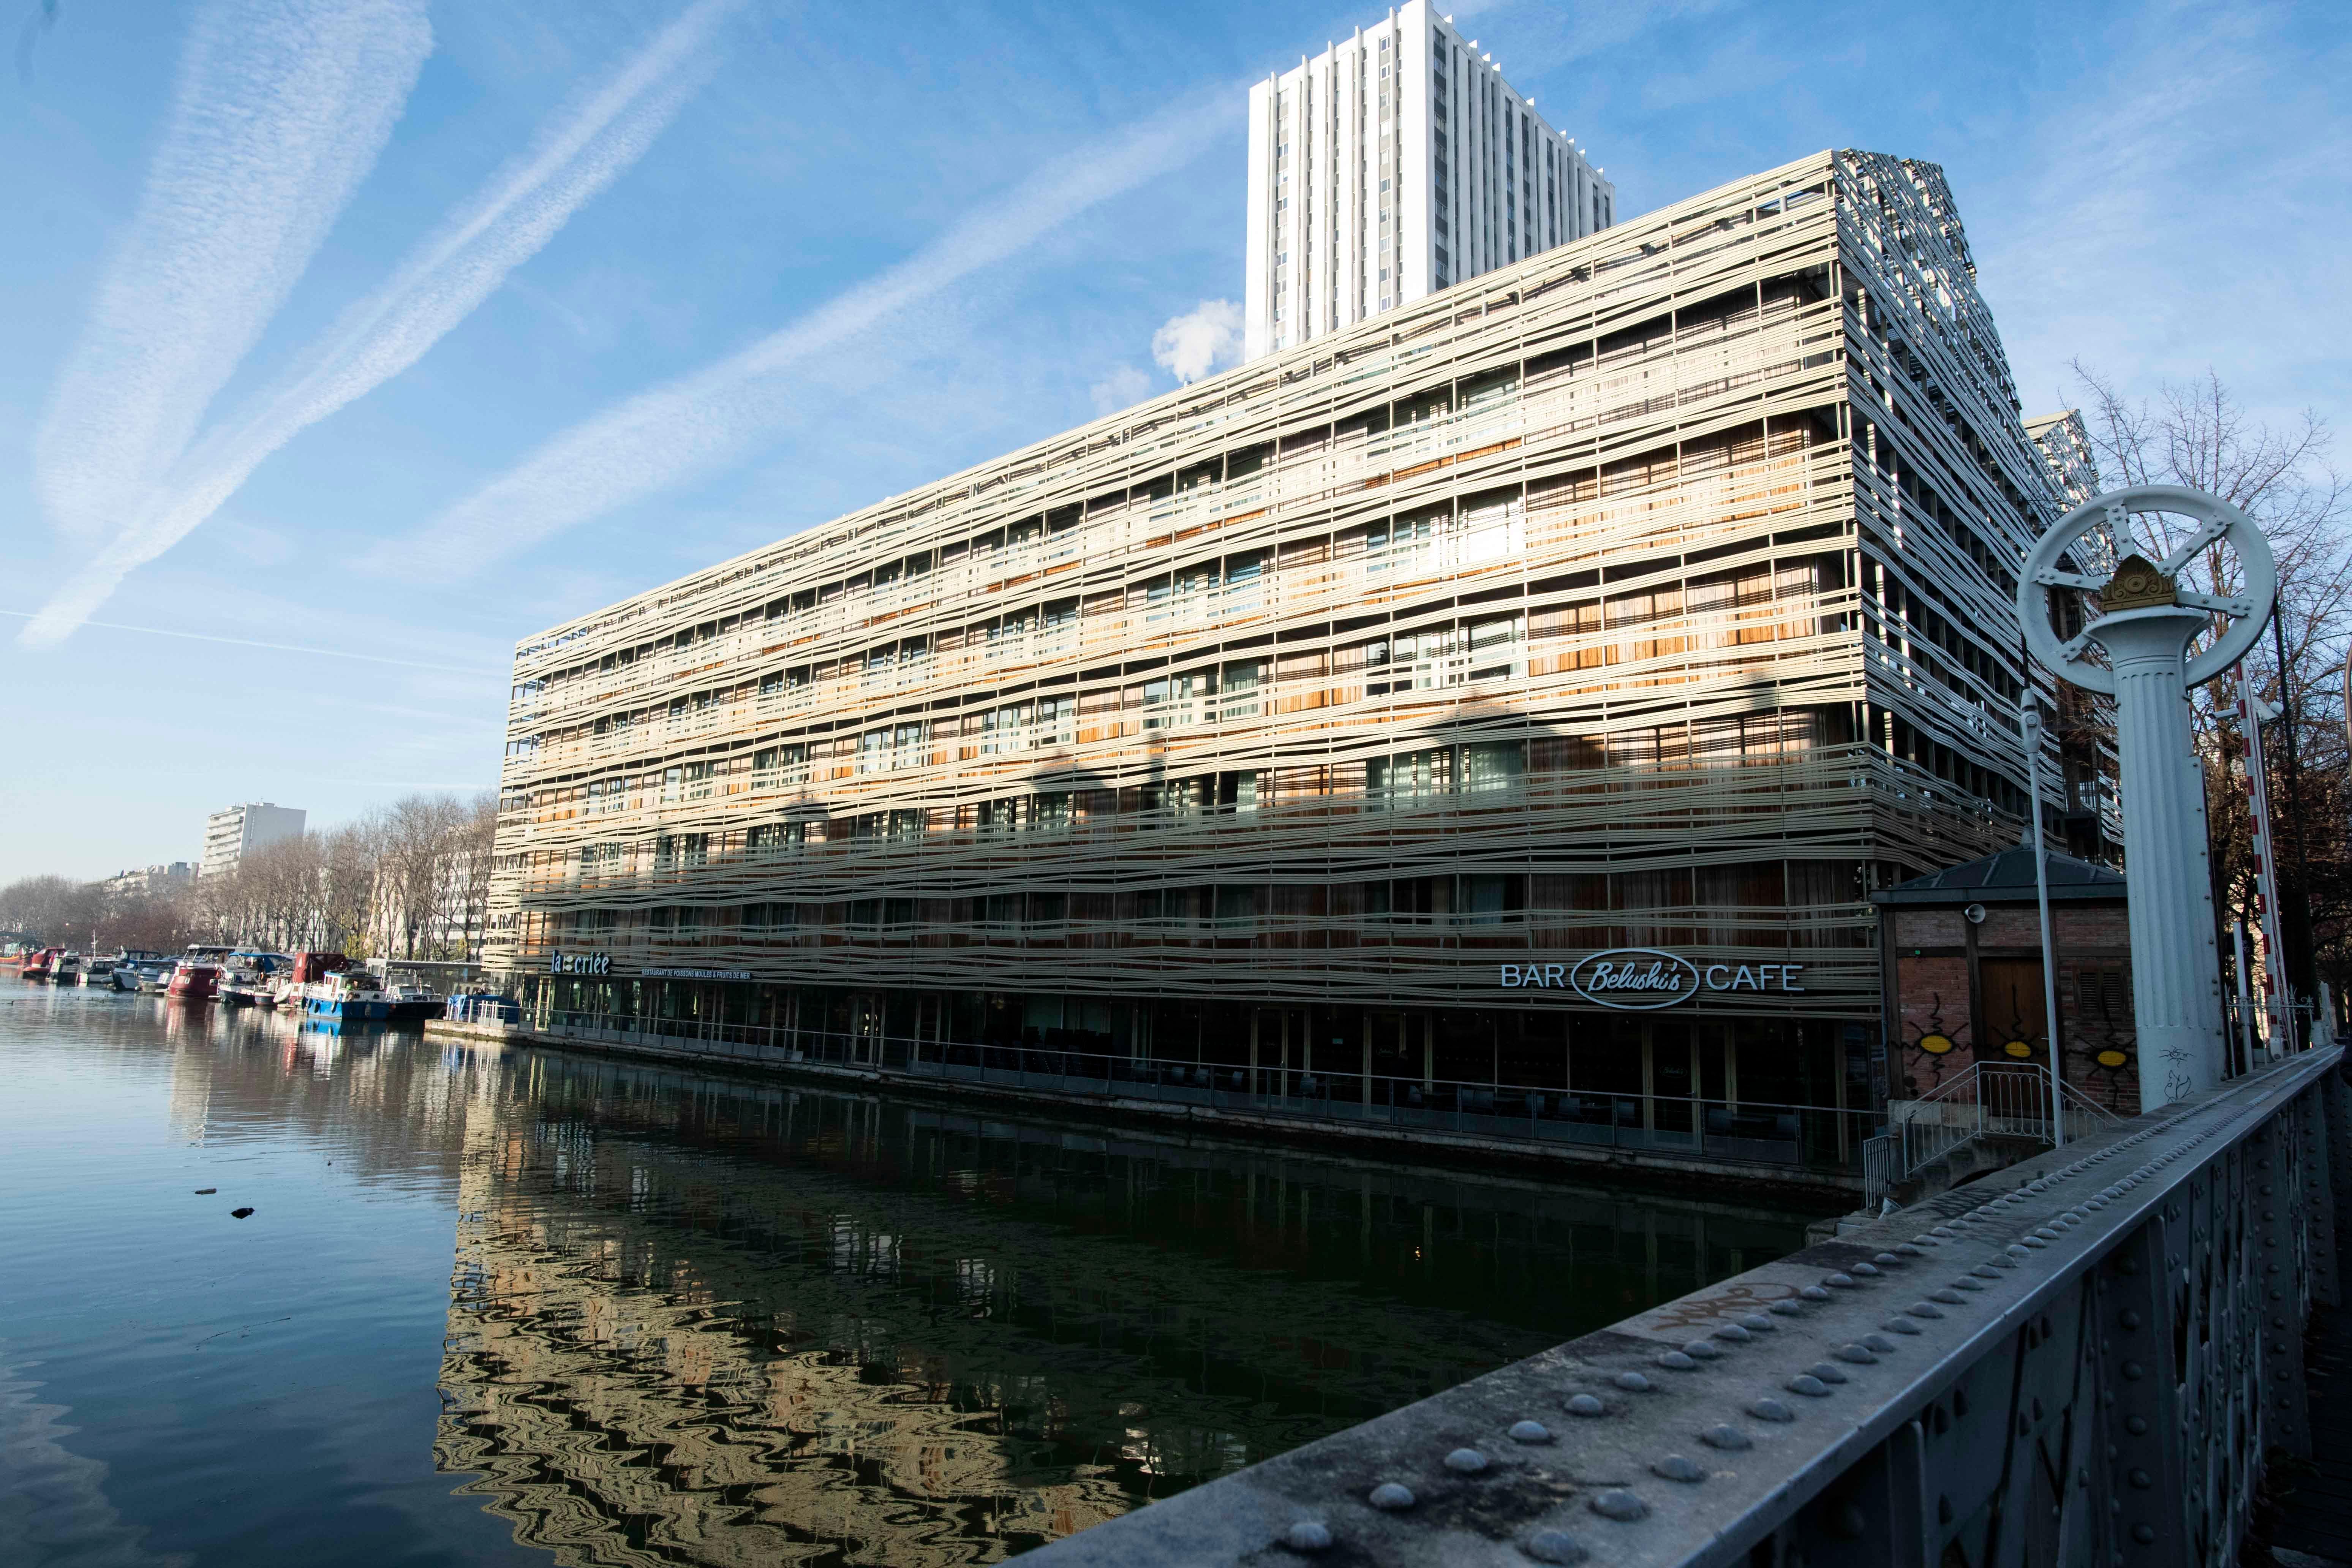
point(1962, 954)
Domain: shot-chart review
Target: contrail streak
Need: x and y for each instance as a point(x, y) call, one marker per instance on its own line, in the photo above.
point(438, 286)
point(696, 423)
point(280, 109)
point(275, 647)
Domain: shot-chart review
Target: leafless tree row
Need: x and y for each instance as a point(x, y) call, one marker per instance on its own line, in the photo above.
point(2199, 436)
point(408, 881)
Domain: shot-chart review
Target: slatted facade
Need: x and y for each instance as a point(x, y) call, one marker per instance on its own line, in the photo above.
point(1655, 591)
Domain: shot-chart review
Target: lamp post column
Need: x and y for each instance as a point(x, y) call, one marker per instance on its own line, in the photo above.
point(2176, 963)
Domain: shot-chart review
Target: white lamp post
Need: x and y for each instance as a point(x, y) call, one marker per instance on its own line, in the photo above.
point(2146, 629)
point(2029, 722)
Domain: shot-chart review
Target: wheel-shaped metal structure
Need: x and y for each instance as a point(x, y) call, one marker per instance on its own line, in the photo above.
point(2217, 521)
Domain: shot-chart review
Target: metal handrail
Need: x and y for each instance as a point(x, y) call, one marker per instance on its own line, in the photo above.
point(2010, 1100)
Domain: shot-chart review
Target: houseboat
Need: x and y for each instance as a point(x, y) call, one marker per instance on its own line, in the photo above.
point(355, 996)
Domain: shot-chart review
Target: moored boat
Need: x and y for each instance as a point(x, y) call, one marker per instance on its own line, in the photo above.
point(248, 979)
point(193, 979)
point(356, 995)
point(67, 969)
point(99, 974)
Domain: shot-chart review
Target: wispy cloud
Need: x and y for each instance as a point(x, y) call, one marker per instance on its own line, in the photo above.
point(698, 422)
point(438, 285)
point(1204, 338)
point(1123, 387)
point(279, 111)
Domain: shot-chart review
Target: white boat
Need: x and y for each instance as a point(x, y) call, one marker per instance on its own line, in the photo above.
point(98, 973)
point(66, 971)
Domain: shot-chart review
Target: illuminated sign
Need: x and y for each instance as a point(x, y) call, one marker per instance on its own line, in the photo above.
point(580, 963)
point(696, 973)
point(1642, 979)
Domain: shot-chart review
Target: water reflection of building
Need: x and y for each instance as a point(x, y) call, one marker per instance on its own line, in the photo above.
point(720, 1324)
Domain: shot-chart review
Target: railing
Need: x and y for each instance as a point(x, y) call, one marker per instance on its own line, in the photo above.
point(2087, 1360)
point(1985, 1100)
point(1733, 1132)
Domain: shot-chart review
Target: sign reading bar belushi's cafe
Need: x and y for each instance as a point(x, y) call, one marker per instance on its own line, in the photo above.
point(1637, 979)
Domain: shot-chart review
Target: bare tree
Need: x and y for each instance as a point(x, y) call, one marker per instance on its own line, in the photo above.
point(419, 832)
point(2197, 435)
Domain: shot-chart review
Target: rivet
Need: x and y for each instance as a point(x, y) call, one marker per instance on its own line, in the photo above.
point(2144, 1533)
point(1306, 1535)
point(1826, 1373)
point(1553, 1546)
point(1814, 1293)
point(1810, 1386)
point(1678, 1468)
point(1841, 1281)
point(1929, 1309)
point(1619, 1504)
point(2137, 1425)
point(1927, 1240)
point(1675, 1360)
point(1465, 1461)
point(1726, 1436)
point(1969, 1284)
point(1391, 1497)
point(1880, 1342)
point(1536, 1431)
point(1785, 1308)
point(1885, 1257)
point(2130, 1318)
point(2047, 1234)
point(1986, 1270)
point(1908, 1250)
point(1631, 1382)
point(2142, 1480)
point(1699, 1350)
point(2134, 1371)
point(1854, 1355)
point(1900, 1326)
point(1759, 1323)
point(2025, 1247)
point(1868, 1270)
point(1586, 1405)
point(1770, 1409)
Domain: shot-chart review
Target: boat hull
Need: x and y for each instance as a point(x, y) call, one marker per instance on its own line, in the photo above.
point(369, 1010)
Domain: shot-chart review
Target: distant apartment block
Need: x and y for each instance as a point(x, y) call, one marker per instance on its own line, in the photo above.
point(231, 835)
point(151, 879)
point(1396, 163)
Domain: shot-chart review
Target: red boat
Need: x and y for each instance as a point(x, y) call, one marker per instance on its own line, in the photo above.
point(194, 980)
point(42, 964)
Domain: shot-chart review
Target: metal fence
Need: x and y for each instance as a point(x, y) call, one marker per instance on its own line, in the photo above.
point(2085, 1359)
point(1732, 1130)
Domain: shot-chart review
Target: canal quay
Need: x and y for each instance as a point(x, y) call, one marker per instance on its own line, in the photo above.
point(501, 1304)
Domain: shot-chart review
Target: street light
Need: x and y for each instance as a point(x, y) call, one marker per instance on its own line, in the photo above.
point(2029, 724)
point(2148, 624)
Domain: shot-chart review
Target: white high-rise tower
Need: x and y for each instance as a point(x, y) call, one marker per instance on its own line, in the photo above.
point(1394, 163)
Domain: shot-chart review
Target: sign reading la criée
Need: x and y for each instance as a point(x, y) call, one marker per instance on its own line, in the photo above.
point(1638, 979)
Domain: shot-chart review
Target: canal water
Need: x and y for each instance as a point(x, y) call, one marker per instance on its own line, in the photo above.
point(519, 1307)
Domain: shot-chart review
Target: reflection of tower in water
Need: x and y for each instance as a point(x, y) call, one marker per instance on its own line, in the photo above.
point(696, 1321)
point(618, 1414)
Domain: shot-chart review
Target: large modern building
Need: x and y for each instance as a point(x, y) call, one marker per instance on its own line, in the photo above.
point(1509, 702)
point(231, 835)
point(1396, 163)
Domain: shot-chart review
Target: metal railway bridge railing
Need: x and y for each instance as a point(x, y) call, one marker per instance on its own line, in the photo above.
point(2085, 1359)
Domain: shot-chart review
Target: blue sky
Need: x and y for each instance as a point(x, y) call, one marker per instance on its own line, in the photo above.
point(502, 311)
